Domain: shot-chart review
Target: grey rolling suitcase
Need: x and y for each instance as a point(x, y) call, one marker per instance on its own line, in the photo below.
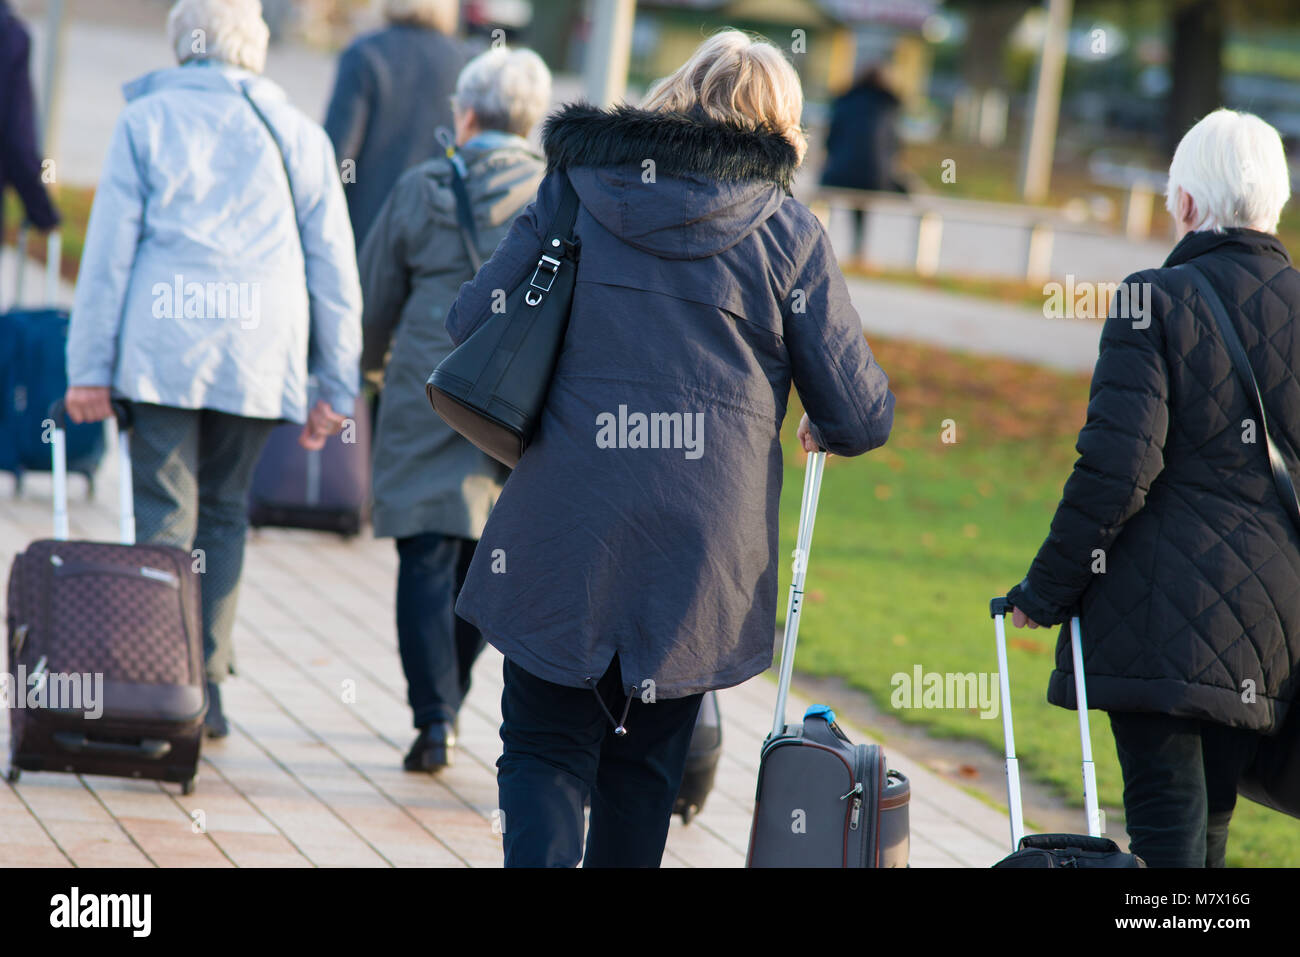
point(822, 801)
point(1053, 850)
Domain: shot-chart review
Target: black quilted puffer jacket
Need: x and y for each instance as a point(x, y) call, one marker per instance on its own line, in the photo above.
point(1197, 611)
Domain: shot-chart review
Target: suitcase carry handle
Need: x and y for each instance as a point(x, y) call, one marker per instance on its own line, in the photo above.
point(999, 608)
point(812, 484)
point(53, 257)
point(125, 493)
point(152, 749)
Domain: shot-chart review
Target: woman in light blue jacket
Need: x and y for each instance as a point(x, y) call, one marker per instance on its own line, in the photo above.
point(218, 275)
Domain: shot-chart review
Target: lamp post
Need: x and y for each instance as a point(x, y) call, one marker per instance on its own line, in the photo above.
point(1040, 142)
point(608, 50)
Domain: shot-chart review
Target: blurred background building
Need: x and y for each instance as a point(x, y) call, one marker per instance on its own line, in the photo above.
point(1074, 105)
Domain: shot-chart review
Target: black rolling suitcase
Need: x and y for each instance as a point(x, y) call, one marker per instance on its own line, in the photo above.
point(701, 759)
point(1053, 850)
point(822, 801)
point(105, 648)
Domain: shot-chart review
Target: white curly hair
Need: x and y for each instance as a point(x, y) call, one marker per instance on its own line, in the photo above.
point(231, 31)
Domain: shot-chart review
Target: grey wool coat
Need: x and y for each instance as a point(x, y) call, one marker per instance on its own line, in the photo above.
point(704, 290)
point(426, 477)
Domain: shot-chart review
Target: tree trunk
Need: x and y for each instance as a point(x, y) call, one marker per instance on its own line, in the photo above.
point(550, 33)
point(1196, 68)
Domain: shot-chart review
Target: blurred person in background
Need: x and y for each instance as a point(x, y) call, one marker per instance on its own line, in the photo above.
point(219, 273)
point(433, 489)
point(1198, 600)
point(639, 578)
point(20, 161)
point(862, 144)
point(391, 95)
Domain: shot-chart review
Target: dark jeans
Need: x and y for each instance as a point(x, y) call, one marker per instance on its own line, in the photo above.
point(191, 470)
point(438, 649)
point(560, 750)
point(1180, 785)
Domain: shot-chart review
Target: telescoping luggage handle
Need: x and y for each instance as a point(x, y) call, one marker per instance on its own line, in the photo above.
point(53, 255)
point(125, 494)
point(999, 608)
point(812, 485)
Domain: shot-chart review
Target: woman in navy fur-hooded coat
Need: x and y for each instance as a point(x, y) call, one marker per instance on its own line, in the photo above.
point(626, 580)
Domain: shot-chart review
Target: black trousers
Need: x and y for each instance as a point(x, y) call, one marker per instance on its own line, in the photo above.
point(438, 649)
point(560, 750)
point(1180, 785)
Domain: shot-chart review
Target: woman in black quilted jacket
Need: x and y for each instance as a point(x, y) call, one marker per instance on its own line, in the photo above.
point(1171, 539)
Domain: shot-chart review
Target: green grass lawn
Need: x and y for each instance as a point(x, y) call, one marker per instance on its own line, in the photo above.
point(913, 539)
point(74, 204)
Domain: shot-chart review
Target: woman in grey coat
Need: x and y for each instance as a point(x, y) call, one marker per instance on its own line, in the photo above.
point(432, 488)
point(630, 564)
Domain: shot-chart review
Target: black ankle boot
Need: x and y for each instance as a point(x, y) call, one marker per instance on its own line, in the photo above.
point(432, 749)
point(214, 724)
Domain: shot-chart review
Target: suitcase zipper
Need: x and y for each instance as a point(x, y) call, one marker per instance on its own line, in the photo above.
point(856, 813)
point(162, 577)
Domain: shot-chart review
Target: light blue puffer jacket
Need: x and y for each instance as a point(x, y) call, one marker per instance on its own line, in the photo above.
point(191, 291)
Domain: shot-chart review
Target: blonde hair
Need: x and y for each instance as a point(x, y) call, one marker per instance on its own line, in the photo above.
point(441, 15)
point(737, 79)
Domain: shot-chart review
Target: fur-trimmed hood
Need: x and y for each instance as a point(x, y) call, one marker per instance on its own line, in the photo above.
point(680, 186)
point(583, 135)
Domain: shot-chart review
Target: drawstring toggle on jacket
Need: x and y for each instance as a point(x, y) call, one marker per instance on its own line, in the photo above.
point(619, 728)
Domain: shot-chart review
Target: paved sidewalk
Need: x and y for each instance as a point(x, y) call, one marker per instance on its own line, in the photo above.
point(974, 325)
point(306, 779)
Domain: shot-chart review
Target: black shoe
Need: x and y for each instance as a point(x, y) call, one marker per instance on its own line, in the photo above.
point(432, 749)
point(214, 724)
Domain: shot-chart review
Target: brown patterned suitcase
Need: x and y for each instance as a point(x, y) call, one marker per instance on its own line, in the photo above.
point(105, 650)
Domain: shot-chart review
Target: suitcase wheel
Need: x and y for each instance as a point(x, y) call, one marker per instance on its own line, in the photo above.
point(187, 787)
point(688, 812)
point(13, 775)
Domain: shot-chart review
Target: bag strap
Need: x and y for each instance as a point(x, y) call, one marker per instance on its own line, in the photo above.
point(284, 163)
point(560, 240)
point(464, 212)
point(1286, 489)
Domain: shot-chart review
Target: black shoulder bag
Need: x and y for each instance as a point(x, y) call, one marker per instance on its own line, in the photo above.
point(493, 386)
point(1273, 777)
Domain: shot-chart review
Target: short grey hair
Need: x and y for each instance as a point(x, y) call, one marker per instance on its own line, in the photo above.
point(232, 31)
point(507, 89)
point(442, 15)
point(1234, 168)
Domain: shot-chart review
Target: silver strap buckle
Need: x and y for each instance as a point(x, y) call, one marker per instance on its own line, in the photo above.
point(552, 266)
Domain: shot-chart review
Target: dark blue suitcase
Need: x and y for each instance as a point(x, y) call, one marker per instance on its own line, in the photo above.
point(33, 376)
point(327, 491)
